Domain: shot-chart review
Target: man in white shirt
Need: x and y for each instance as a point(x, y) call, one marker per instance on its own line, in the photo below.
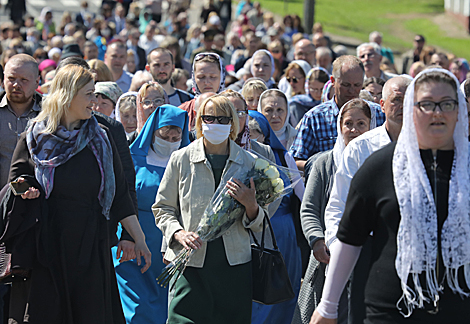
point(115, 58)
point(371, 56)
point(161, 65)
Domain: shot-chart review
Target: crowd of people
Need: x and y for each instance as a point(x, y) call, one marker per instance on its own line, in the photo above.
point(117, 128)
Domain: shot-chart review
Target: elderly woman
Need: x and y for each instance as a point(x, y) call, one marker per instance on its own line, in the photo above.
point(150, 96)
point(107, 94)
point(126, 113)
point(208, 75)
point(417, 206)
point(77, 195)
point(283, 223)
point(314, 83)
point(262, 66)
point(252, 90)
point(216, 285)
point(166, 130)
point(355, 118)
point(273, 105)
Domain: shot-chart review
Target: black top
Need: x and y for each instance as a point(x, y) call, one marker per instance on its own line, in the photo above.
point(372, 206)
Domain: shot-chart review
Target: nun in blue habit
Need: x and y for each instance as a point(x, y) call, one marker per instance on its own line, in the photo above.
point(143, 299)
point(284, 231)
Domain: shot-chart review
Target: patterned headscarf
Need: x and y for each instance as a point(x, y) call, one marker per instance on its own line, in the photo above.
point(49, 151)
point(222, 72)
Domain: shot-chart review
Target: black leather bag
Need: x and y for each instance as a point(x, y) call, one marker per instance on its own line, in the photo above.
point(271, 283)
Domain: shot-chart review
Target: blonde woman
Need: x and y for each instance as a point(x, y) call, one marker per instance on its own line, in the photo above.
point(252, 90)
point(216, 285)
point(100, 71)
point(77, 182)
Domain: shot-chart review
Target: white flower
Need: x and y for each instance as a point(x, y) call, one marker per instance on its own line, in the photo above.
point(272, 172)
point(261, 164)
point(280, 187)
point(276, 182)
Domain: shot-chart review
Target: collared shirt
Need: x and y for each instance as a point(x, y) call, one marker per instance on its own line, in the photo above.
point(11, 127)
point(354, 155)
point(317, 131)
point(124, 82)
point(384, 76)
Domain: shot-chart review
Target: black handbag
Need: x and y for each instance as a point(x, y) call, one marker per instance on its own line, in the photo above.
point(271, 283)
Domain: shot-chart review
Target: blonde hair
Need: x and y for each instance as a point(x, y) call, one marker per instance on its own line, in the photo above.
point(102, 71)
point(222, 107)
point(252, 85)
point(151, 85)
point(65, 86)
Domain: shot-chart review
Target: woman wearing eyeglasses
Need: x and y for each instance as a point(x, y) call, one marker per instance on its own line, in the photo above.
point(150, 96)
point(296, 74)
point(417, 206)
point(208, 75)
point(314, 83)
point(216, 285)
point(166, 130)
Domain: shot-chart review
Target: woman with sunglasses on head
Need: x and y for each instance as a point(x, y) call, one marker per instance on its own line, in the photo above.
point(417, 206)
point(273, 105)
point(208, 75)
point(314, 83)
point(216, 285)
point(286, 227)
point(165, 131)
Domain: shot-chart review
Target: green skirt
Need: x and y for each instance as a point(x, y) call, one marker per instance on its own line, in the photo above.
point(217, 293)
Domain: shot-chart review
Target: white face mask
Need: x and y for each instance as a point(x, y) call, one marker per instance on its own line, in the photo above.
point(216, 133)
point(165, 148)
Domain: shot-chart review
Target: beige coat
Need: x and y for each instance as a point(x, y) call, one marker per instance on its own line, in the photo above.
point(187, 188)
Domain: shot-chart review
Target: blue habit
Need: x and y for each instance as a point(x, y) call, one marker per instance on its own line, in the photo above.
point(143, 299)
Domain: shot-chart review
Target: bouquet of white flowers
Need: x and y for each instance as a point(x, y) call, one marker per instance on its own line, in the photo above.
point(271, 183)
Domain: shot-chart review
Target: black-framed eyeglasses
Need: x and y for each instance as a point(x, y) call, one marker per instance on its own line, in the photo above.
point(224, 120)
point(241, 113)
point(293, 79)
point(430, 106)
point(203, 55)
point(156, 102)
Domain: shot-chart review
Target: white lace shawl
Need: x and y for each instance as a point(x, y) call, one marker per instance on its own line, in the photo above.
point(417, 239)
point(339, 144)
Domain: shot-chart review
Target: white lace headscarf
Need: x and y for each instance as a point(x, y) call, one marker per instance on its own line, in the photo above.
point(417, 239)
point(281, 134)
point(339, 144)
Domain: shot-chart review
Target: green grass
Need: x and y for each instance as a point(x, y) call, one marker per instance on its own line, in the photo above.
point(398, 20)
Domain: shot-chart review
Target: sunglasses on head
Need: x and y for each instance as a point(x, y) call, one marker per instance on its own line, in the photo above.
point(293, 79)
point(203, 55)
point(224, 120)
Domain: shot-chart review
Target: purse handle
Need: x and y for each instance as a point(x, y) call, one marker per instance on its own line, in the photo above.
point(265, 219)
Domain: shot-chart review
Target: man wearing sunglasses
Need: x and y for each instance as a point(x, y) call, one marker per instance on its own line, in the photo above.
point(371, 57)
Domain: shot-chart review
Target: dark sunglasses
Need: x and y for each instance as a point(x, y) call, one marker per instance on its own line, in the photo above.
point(293, 79)
point(203, 55)
point(224, 120)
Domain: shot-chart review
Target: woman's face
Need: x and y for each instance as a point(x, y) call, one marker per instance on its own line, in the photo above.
point(354, 123)
point(375, 90)
point(435, 129)
point(181, 84)
point(240, 108)
point(151, 101)
point(82, 104)
point(275, 111)
point(315, 89)
point(255, 135)
point(262, 67)
point(129, 120)
point(168, 134)
point(252, 99)
point(296, 80)
point(103, 105)
point(454, 68)
point(207, 76)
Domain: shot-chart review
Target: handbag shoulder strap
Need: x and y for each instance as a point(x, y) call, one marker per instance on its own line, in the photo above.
point(265, 220)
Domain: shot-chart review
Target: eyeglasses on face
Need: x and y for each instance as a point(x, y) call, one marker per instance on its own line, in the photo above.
point(444, 105)
point(293, 79)
point(156, 102)
point(370, 55)
point(224, 120)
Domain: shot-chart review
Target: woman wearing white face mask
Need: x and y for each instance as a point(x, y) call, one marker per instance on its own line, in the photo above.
point(165, 131)
point(216, 285)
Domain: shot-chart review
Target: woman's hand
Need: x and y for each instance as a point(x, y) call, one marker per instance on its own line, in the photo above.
point(320, 251)
point(31, 193)
point(189, 240)
point(244, 195)
point(141, 250)
point(127, 249)
point(318, 319)
point(165, 261)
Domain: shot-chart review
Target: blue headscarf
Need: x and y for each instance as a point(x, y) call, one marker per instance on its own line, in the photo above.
point(166, 115)
point(269, 137)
